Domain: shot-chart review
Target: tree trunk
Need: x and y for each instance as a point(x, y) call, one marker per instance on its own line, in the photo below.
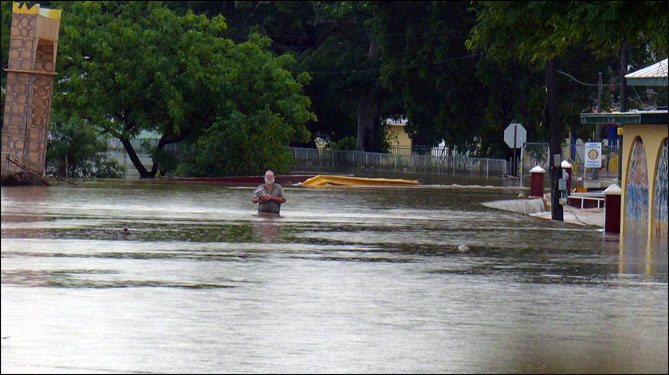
point(143, 173)
point(367, 115)
point(368, 110)
point(552, 120)
point(164, 141)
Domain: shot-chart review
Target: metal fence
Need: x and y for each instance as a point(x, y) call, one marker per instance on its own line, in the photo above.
point(332, 160)
point(536, 154)
point(414, 150)
point(324, 159)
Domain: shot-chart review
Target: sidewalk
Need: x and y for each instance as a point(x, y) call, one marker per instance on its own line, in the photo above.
point(540, 207)
point(586, 216)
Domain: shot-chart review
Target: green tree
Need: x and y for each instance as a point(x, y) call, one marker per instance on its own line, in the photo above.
point(132, 66)
point(530, 31)
point(426, 64)
point(332, 42)
point(545, 31)
point(266, 115)
point(75, 150)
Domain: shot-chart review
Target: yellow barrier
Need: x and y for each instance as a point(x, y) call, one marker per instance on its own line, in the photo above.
point(325, 180)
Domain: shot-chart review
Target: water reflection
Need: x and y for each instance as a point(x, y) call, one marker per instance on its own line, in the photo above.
point(267, 227)
point(640, 255)
point(345, 280)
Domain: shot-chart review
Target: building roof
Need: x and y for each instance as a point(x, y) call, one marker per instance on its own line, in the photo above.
point(396, 122)
point(653, 75)
point(627, 118)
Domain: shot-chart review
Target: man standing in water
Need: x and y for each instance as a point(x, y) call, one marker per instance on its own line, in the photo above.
point(269, 195)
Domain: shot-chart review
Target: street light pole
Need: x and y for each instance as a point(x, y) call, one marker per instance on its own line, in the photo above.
point(595, 171)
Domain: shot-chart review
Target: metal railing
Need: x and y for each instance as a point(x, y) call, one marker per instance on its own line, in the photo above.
point(318, 159)
point(536, 154)
point(331, 160)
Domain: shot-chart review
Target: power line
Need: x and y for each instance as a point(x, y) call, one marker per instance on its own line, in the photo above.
point(586, 84)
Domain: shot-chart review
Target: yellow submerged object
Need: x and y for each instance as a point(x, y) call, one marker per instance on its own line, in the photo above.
point(325, 180)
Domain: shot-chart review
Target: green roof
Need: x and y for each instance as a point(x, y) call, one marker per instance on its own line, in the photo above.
point(646, 118)
point(653, 75)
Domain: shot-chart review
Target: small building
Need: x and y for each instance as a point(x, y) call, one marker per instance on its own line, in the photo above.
point(644, 160)
point(397, 138)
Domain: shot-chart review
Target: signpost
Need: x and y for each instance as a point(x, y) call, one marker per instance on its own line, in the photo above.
point(593, 157)
point(515, 136)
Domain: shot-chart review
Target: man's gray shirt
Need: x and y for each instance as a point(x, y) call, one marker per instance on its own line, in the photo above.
point(270, 206)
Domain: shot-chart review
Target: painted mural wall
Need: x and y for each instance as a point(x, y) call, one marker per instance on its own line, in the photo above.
point(636, 201)
point(661, 220)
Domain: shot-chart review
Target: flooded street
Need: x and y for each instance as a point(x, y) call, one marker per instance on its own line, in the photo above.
point(363, 280)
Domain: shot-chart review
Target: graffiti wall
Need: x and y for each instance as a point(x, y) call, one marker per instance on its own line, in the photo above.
point(636, 201)
point(661, 221)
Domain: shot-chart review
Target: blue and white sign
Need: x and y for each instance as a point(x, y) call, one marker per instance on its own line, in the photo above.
point(593, 154)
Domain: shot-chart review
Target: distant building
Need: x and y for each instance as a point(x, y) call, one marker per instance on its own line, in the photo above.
point(399, 141)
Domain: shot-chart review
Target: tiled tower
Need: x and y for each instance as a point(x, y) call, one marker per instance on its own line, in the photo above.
point(30, 73)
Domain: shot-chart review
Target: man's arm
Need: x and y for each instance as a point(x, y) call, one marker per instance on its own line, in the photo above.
point(273, 198)
point(254, 196)
point(278, 199)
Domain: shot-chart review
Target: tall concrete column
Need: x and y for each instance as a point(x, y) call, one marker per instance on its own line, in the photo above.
point(30, 72)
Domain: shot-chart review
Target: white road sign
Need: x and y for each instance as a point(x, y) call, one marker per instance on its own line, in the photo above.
point(593, 154)
point(517, 132)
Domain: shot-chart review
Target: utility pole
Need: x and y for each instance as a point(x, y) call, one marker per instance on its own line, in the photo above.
point(598, 109)
point(552, 119)
point(599, 93)
point(623, 103)
point(598, 129)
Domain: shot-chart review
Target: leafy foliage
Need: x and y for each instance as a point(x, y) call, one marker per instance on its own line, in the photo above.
point(234, 83)
point(426, 64)
point(132, 66)
point(75, 150)
point(268, 114)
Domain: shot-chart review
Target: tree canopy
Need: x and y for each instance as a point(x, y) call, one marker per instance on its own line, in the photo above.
point(234, 83)
point(132, 66)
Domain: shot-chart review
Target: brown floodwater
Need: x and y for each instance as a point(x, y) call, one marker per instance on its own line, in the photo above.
point(364, 280)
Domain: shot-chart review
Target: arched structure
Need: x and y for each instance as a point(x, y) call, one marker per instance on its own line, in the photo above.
point(636, 190)
point(660, 227)
point(644, 171)
point(649, 142)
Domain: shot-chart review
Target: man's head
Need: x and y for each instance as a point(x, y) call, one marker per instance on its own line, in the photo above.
point(269, 177)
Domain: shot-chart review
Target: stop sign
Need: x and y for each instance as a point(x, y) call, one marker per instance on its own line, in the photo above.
point(515, 135)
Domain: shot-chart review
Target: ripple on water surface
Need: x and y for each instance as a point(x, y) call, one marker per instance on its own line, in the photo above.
point(362, 280)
